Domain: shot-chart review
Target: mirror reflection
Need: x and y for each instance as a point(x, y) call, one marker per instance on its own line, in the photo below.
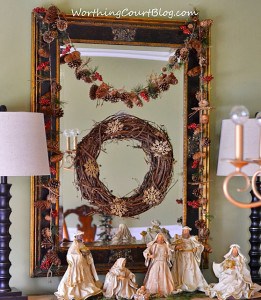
point(116, 171)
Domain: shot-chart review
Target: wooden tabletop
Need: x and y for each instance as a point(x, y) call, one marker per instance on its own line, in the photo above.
point(52, 297)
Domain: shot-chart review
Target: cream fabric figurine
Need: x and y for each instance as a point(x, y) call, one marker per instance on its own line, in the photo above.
point(142, 294)
point(151, 232)
point(186, 260)
point(234, 277)
point(80, 279)
point(120, 282)
point(158, 279)
point(123, 236)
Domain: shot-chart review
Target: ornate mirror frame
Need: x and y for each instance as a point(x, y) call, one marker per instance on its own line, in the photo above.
point(147, 32)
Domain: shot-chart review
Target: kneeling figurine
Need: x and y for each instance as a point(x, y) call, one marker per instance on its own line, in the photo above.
point(120, 282)
point(234, 277)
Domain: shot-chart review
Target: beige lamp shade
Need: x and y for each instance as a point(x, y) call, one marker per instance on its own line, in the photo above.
point(227, 147)
point(23, 149)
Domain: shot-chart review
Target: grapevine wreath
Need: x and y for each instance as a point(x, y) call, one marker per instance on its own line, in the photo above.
point(152, 139)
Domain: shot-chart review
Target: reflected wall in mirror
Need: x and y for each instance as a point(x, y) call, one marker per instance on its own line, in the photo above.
point(177, 110)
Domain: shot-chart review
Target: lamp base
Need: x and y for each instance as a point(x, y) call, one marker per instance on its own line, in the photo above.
point(14, 294)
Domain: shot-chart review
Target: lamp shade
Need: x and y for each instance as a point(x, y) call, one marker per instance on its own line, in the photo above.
point(23, 149)
point(227, 147)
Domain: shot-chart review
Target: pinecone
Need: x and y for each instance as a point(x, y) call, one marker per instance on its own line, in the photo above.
point(61, 25)
point(58, 113)
point(62, 57)
point(87, 79)
point(43, 52)
point(56, 157)
point(55, 87)
point(197, 193)
point(51, 14)
point(195, 177)
point(128, 102)
point(82, 74)
point(75, 63)
point(48, 37)
point(205, 142)
point(164, 86)
point(42, 204)
point(92, 92)
point(111, 98)
point(79, 74)
point(54, 183)
point(124, 96)
point(177, 53)
point(126, 99)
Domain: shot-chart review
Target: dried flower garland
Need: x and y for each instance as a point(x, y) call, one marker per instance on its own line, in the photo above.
point(55, 28)
point(153, 140)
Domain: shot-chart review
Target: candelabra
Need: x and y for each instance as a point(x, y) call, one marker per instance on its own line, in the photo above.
point(71, 136)
point(247, 144)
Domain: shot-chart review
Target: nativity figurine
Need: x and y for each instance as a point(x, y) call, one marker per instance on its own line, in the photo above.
point(158, 279)
point(80, 280)
point(123, 236)
point(186, 271)
point(142, 294)
point(233, 276)
point(152, 231)
point(120, 282)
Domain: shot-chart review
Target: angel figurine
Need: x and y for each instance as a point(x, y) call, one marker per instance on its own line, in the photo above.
point(123, 236)
point(120, 282)
point(158, 279)
point(234, 277)
point(152, 231)
point(80, 280)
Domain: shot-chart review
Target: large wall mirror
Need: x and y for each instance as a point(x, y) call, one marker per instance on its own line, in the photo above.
point(122, 164)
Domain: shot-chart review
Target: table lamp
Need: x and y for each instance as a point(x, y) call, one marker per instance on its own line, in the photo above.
point(23, 152)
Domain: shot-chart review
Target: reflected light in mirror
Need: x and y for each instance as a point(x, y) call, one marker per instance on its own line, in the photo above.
point(125, 53)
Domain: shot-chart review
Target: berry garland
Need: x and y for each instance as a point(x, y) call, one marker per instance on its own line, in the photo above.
point(153, 141)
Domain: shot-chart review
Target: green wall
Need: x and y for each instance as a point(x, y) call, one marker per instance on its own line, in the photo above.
point(236, 67)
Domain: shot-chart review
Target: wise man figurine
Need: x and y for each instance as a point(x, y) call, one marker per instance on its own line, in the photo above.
point(80, 280)
point(186, 271)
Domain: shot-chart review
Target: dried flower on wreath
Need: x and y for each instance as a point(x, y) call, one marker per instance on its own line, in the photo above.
point(152, 196)
point(118, 207)
point(91, 168)
point(153, 140)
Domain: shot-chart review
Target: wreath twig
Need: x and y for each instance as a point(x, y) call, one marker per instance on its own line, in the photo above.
point(153, 140)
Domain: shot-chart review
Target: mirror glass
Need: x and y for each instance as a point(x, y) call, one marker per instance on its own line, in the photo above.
point(116, 171)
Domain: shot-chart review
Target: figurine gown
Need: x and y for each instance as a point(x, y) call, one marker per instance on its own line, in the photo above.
point(119, 282)
point(80, 279)
point(234, 278)
point(186, 271)
point(158, 279)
